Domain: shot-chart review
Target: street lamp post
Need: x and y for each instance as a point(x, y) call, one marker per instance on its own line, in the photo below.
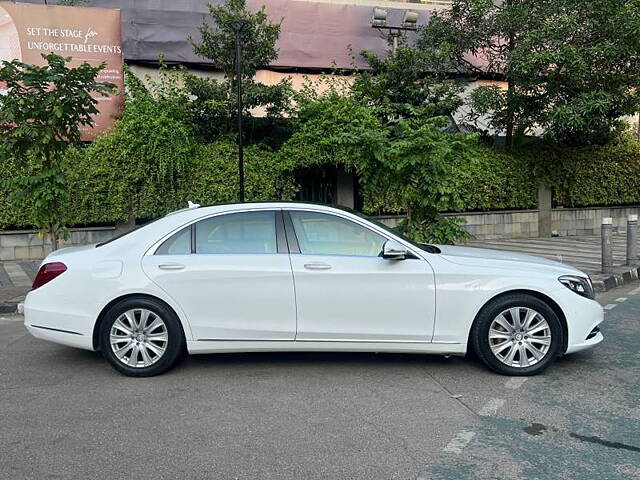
point(238, 26)
point(393, 33)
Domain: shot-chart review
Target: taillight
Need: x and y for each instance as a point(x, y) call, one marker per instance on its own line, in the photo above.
point(48, 272)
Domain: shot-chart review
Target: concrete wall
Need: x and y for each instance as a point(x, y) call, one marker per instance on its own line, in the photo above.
point(587, 221)
point(524, 223)
point(28, 245)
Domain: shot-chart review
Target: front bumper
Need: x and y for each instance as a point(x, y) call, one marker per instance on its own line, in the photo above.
point(583, 316)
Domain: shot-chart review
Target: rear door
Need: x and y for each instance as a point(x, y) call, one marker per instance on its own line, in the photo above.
point(231, 275)
point(347, 292)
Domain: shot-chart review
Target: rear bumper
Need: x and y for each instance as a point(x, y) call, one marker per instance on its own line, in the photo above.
point(71, 339)
point(55, 326)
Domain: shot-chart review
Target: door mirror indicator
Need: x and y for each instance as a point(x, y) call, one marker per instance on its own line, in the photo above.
point(393, 250)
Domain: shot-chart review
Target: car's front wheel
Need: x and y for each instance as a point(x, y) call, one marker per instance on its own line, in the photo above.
point(141, 337)
point(517, 334)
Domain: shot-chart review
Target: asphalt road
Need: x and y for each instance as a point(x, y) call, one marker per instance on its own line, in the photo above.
point(65, 413)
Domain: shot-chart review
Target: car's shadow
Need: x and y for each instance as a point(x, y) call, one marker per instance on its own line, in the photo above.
point(291, 361)
point(312, 360)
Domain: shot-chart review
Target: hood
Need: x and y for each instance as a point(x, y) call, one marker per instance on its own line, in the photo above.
point(501, 258)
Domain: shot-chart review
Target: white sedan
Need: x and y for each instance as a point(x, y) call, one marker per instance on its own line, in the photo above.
point(298, 277)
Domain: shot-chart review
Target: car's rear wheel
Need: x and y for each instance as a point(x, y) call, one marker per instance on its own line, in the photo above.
point(517, 334)
point(141, 337)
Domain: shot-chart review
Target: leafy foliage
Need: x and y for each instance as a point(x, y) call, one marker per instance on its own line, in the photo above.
point(214, 175)
point(41, 115)
point(138, 167)
point(406, 161)
point(591, 175)
point(219, 41)
point(333, 129)
point(415, 171)
point(213, 104)
point(400, 86)
point(572, 66)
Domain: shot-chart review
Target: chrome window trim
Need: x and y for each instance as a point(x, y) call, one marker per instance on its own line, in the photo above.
point(360, 221)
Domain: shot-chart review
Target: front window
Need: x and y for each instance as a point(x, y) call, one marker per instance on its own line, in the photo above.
point(324, 234)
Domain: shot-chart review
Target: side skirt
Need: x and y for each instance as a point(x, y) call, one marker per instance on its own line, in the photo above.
point(225, 346)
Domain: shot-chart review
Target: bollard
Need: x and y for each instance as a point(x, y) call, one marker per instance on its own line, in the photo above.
point(632, 240)
point(607, 244)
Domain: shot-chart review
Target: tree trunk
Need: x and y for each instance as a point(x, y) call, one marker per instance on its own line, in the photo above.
point(510, 114)
point(53, 236)
point(510, 90)
point(510, 111)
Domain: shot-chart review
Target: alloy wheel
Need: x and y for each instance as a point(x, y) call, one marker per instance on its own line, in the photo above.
point(520, 337)
point(139, 338)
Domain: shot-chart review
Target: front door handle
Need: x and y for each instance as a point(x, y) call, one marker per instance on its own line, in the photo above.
point(170, 266)
point(317, 266)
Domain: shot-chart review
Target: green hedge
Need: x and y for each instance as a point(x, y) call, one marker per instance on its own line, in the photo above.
point(111, 181)
point(484, 178)
point(105, 188)
point(591, 176)
point(491, 179)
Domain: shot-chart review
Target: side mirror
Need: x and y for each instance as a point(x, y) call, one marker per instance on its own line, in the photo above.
point(393, 250)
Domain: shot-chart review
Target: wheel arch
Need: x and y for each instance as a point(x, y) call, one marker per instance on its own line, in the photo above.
point(540, 296)
point(107, 307)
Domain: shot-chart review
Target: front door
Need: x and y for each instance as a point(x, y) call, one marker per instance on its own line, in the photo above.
point(231, 275)
point(346, 292)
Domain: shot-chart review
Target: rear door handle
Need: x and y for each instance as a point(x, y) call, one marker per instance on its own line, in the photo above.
point(170, 266)
point(317, 266)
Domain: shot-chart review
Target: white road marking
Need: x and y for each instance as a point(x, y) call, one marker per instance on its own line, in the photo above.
point(461, 440)
point(621, 299)
point(515, 382)
point(492, 407)
point(17, 275)
point(635, 291)
point(610, 306)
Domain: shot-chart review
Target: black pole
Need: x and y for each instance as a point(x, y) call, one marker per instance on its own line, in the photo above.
point(239, 86)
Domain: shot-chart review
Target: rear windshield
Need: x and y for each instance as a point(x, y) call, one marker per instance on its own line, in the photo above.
point(138, 227)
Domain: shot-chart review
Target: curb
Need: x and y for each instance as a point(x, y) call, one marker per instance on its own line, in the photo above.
point(616, 278)
point(9, 307)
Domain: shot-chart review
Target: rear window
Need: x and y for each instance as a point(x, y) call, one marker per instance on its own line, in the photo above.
point(117, 237)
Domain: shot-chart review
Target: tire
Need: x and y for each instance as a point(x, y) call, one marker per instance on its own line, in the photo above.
point(532, 338)
point(141, 337)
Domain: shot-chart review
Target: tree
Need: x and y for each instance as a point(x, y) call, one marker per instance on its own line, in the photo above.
point(332, 128)
point(406, 162)
point(571, 66)
point(40, 116)
point(214, 102)
point(415, 173)
point(401, 84)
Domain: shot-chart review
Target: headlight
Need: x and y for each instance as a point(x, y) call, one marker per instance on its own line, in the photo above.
point(580, 285)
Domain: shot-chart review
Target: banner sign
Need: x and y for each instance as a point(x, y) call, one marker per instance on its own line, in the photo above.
point(91, 35)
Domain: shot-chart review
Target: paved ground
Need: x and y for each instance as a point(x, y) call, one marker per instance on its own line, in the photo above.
point(66, 414)
point(16, 279)
point(582, 252)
